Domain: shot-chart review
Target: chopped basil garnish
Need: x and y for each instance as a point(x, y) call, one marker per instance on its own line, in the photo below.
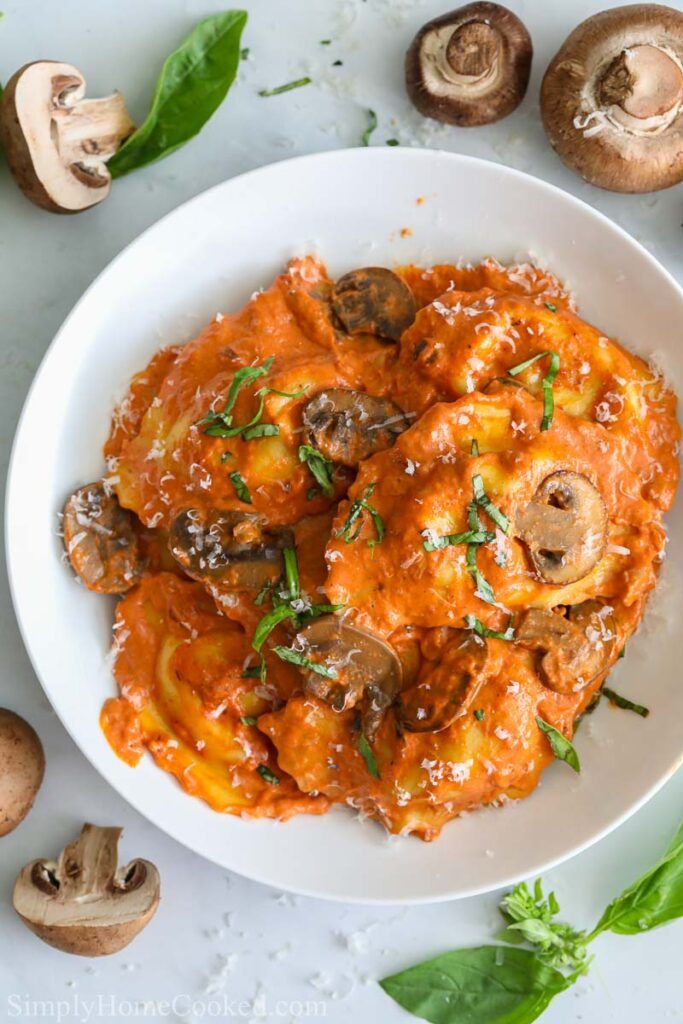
point(268, 623)
point(227, 455)
point(312, 493)
point(294, 658)
point(260, 430)
point(562, 748)
point(287, 87)
point(475, 624)
point(484, 502)
point(546, 383)
point(337, 63)
point(358, 506)
point(551, 306)
point(372, 124)
point(625, 703)
point(320, 467)
point(325, 42)
point(292, 572)
point(474, 448)
point(468, 537)
point(479, 714)
point(392, 142)
point(367, 753)
point(241, 489)
point(481, 584)
point(219, 424)
point(268, 776)
point(244, 53)
point(247, 720)
point(251, 672)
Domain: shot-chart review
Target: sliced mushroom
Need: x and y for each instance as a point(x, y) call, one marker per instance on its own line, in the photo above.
point(349, 426)
point(374, 300)
point(57, 142)
point(576, 648)
point(231, 547)
point(471, 66)
point(365, 669)
point(22, 766)
point(564, 527)
point(434, 704)
point(83, 903)
point(612, 99)
point(102, 541)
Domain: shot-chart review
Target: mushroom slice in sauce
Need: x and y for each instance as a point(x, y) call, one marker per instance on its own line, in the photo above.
point(366, 669)
point(577, 648)
point(564, 527)
point(101, 541)
point(430, 707)
point(232, 548)
point(374, 300)
point(349, 426)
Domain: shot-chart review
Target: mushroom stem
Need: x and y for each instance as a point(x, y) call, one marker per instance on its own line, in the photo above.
point(89, 132)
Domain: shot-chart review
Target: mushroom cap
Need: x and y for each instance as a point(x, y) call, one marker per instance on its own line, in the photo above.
point(56, 141)
point(471, 66)
point(349, 426)
point(23, 766)
point(101, 540)
point(374, 300)
point(84, 903)
point(576, 648)
point(427, 707)
point(612, 99)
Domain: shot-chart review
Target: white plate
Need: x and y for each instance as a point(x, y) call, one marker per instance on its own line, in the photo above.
point(209, 255)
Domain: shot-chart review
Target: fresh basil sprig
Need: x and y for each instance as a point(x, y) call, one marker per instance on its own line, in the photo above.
point(512, 985)
point(193, 83)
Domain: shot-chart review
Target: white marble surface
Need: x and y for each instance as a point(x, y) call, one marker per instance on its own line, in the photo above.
point(216, 935)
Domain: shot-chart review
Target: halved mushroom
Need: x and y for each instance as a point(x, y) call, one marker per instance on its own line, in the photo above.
point(564, 526)
point(374, 300)
point(576, 648)
point(233, 548)
point(57, 142)
point(471, 66)
point(22, 766)
point(363, 669)
point(83, 903)
point(434, 704)
point(612, 98)
point(102, 540)
point(349, 426)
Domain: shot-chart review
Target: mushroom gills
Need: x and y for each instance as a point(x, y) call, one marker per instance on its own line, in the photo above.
point(102, 540)
point(564, 527)
point(233, 548)
point(349, 426)
point(366, 670)
point(432, 706)
point(471, 66)
point(374, 300)
point(83, 903)
point(576, 648)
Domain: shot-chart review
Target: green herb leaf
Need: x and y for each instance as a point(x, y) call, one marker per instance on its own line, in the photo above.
point(247, 720)
point(265, 773)
point(268, 623)
point(337, 63)
point(320, 467)
point(481, 985)
point(325, 42)
point(479, 714)
point(551, 306)
point(530, 917)
point(250, 433)
point(368, 755)
point(452, 539)
point(482, 499)
point(563, 749)
point(624, 702)
point(483, 588)
point(193, 83)
point(294, 658)
point(652, 900)
point(392, 142)
point(251, 672)
point(220, 423)
point(473, 623)
point(474, 448)
point(372, 124)
point(287, 87)
point(358, 506)
point(241, 489)
point(546, 383)
point(244, 53)
point(291, 572)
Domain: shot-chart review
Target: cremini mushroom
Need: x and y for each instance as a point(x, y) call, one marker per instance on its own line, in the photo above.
point(22, 766)
point(576, 648)
point(83, 903)
point(471, 66)
point(564, 527)
point(56, 141)
point(233, 548)
point(101, 540)
point(373, 300)
point(362, 669)
point(436, 702)
point(349, 426)
point(612, 98)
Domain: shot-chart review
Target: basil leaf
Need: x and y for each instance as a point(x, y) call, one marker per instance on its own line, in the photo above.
point(241, 489)
point(546, 383)
point(193, 83)
point(479, 714)
point(260, 430)
point(483, 588)
point(287, 87)
point(475, 624)
point(625, 703)
point(563, 749)
point(652, 900)
point(551, 306)
point(320, 467)
point(268, 623)
point(481, 985)
point(291, 572)
point(294, 658)
point(358, 506)
point(247, 720)
point(372, 124)
point(468, 537)
point(492, 511)
point(368, 755)
point(266, 774)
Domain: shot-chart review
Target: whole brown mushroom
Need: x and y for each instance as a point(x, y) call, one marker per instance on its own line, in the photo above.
point(612, 99)
point(22, 766)
point(471, 66)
